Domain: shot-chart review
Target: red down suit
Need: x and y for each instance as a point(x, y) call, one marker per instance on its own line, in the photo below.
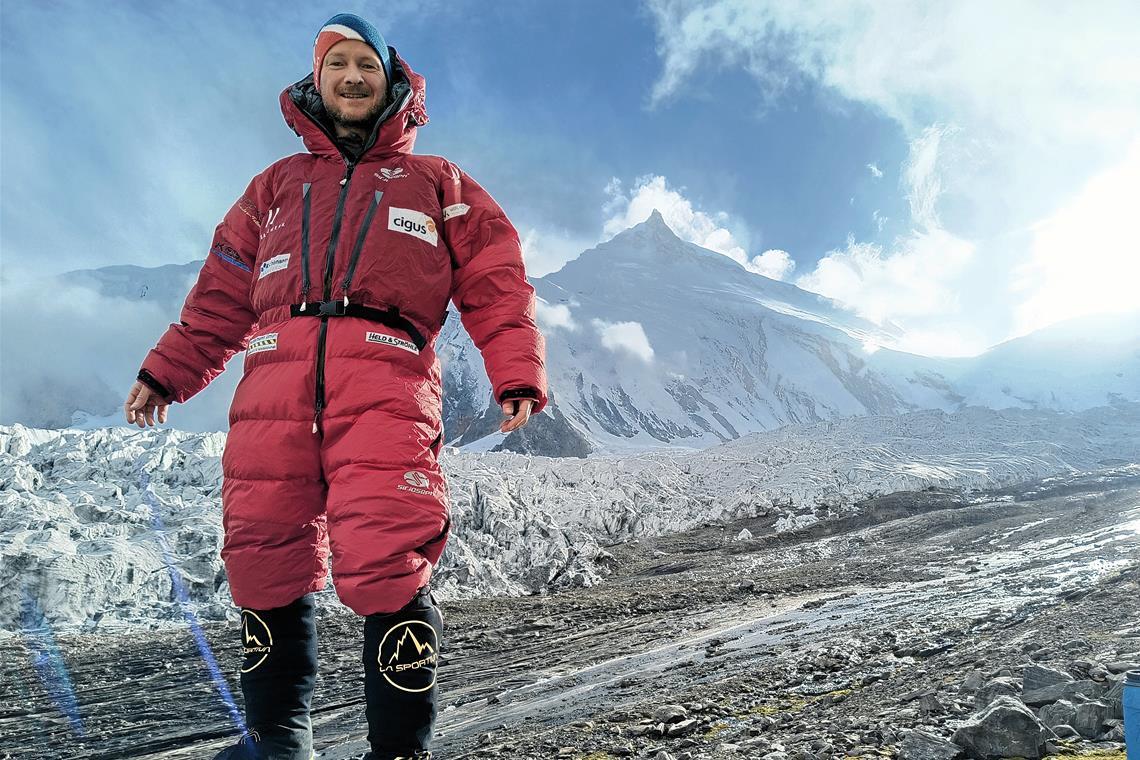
point(333, 272)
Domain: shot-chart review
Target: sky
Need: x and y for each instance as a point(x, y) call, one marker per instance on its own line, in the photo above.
point(968, 171)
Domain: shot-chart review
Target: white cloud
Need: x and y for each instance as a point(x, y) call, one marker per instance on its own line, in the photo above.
point(551, 316)
point(773, 263)
point(1054, 71)
point(918, 281)
point(547, 250)
point(625, 336)
point(92, 358)
point(1011, 108)
point(1085, 256)
point(876, 172)
point(708, 230)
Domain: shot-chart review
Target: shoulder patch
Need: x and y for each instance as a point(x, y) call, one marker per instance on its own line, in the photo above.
point(454, 210)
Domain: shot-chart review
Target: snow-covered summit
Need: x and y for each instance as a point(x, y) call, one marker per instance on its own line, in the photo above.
point(652, 342)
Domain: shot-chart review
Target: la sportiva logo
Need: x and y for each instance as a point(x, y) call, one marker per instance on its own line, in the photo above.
point(256, 639)
point(409, 653)
point(414, 223)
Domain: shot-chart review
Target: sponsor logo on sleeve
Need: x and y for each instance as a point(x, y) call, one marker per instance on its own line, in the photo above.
point(267, 342)
point(414, 223)
point(391, 340)
point(275, 264)
point(456, 209)
point(272, 222)
point(226, 252)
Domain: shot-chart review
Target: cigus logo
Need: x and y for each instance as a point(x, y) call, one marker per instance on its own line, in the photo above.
point(414, 223)
point(410, 226)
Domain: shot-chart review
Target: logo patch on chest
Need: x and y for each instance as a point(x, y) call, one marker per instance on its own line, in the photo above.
point(389, 340)
point(275, 264)
point(267, 342)
point(387, 174)
point(414, 223)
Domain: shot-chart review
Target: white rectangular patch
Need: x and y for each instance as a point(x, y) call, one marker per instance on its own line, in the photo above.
point(414, 223)
point(388, 340)
point(267, 342)
point(277, 263)
point(458, 209)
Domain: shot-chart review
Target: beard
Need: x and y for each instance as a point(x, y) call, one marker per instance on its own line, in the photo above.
point(363, 122)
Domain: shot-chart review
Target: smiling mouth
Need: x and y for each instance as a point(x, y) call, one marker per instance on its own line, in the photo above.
point(353, 96)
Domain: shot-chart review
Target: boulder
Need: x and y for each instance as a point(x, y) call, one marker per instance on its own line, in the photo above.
point(1091, 718)
point(1005, 728)
point(1036, 677)
point(1061, 712)
point(1070, 690)
point(995, 688)
point(921, 745)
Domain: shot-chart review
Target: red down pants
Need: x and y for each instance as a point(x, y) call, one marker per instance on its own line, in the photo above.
point(366, 488)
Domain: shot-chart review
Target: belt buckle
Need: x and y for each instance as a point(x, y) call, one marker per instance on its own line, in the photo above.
point(331, 308)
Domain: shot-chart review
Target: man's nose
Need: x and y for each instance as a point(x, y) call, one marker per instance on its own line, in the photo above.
point(353, 74)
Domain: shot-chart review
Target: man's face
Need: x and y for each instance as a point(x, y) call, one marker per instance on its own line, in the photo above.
point(353, 86)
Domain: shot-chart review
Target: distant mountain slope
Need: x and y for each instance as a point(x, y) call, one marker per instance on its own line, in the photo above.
point(653, 342)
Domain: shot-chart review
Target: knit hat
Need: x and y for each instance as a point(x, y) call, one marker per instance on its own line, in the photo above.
point(348, 26)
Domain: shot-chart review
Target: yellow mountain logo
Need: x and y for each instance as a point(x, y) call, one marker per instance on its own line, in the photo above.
point(420, 648)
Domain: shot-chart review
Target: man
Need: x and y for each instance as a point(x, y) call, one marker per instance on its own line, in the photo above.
point(333, 272)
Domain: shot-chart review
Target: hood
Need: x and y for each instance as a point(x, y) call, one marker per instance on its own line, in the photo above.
point(395, 129)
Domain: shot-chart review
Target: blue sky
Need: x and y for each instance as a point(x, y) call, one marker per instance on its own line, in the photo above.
point(893, 159)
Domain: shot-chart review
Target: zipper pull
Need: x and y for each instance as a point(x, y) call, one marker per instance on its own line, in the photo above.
point(346, 298)
point(343, 180)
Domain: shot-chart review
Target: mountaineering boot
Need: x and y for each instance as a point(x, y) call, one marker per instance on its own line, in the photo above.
point(401, 654)
point(278, 674)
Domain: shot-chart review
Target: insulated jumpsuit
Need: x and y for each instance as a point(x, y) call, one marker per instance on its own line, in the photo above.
point(333, 273)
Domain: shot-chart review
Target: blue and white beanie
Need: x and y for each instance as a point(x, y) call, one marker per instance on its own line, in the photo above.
point(348, 26)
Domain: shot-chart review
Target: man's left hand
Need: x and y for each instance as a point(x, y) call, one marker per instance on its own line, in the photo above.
point(518, 412)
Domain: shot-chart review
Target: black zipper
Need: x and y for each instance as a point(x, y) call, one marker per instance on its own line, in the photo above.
point(305, 244)
point(351, 165)
point(360, 243)
point(329, 256)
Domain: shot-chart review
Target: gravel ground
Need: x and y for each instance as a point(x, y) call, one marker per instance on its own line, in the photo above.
point(837, 640)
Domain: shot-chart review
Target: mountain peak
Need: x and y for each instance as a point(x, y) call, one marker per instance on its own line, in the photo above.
point(654, 227)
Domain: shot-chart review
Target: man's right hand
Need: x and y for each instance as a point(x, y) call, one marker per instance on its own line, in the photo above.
point(142, 403)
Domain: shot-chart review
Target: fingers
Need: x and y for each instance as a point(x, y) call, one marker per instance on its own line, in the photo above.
point(519, 412)
point(143, 407)
point(132, 402)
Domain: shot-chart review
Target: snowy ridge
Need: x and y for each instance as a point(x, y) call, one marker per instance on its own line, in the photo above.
point(76, 531)
point(652, 343)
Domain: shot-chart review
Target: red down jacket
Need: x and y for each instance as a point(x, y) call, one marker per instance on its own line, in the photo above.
point(334, 276)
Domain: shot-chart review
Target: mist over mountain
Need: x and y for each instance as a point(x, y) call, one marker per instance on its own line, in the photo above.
point(651, 342)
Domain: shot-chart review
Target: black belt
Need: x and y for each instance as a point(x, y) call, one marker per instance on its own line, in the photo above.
point(390, 316)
